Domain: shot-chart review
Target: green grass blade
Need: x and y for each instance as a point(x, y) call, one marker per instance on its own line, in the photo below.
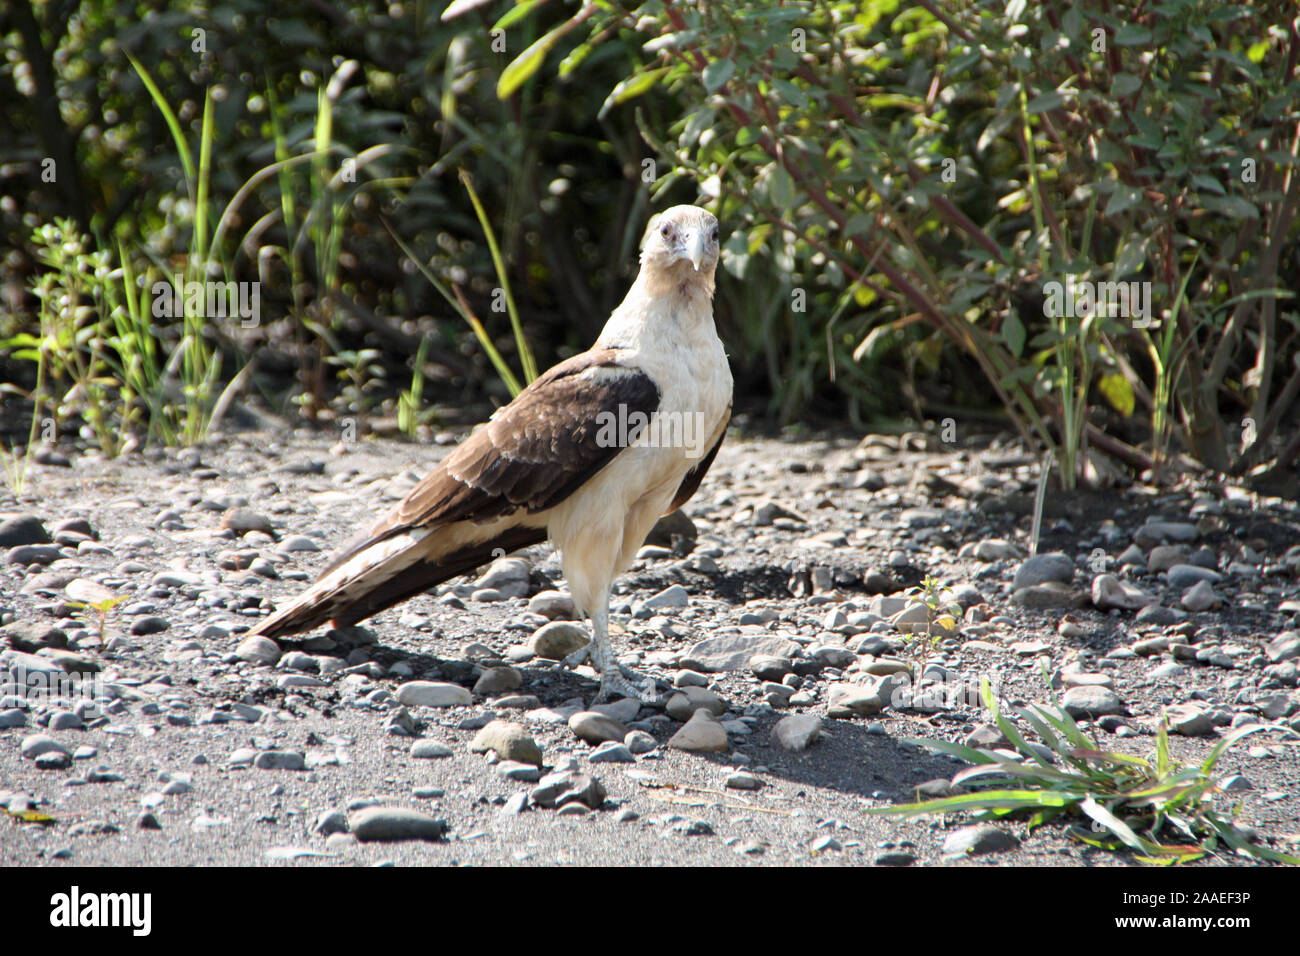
point(526, 358)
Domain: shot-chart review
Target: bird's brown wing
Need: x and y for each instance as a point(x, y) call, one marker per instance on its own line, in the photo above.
point(530, 457)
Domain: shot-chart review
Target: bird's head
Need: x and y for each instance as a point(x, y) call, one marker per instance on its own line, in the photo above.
point(683, 237)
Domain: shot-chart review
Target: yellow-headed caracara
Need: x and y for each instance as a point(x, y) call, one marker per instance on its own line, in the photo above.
point(549, 464)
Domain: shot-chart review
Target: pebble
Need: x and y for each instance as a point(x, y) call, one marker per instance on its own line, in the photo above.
point(853, 700)
point(568, 786)
point(280, 760)
point(258, 650)
point(597, 728)
point(556, 605)
point(1181, 576)
point(740, 780)
point(557, 640)
point(1284, 647)
point(36, 745)
point(975, 840)
point(701, 734)
point(1109, 592)
point(1189, 720)
point(611, 752)
point(732, 652)
point(388, 824)
point(639, 742)
point(690, 699)
point(510, 741)
point(1200, 597)
point(423, 693)
point(497, 680)
point(429, 750)
point(1042, 568)
point(1091, 701)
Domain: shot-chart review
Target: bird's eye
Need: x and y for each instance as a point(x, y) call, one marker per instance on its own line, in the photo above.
point(713, 236)
point(665, 230)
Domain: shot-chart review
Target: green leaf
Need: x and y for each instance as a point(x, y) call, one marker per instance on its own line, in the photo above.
point(631, 88)
point(1013, 333)
point(1130, 34)
point(780, 187)
point(1124, 84)
point(717, 73)
point(527, 63)
point(1117, 390)
point(1124, 197)
point(1045, 101)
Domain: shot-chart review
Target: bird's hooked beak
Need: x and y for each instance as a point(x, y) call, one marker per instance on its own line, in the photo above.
point(695, 247)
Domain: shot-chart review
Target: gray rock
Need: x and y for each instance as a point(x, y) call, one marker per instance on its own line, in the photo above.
point(1109, 592)
point(1189, 720)
point(797, 732)
point(280, 760)
point(1052, 594)
point(673, 596)
point(740, 780)
point(511, 741)
point(853, 700)
point(12, 718)
point(22, 529)
point(564, 787)
point(731, 652)
point(975, 840)
point(769, 668)
point(64, 720)
point(690, 699)
point(1165, 556)
point(498, 680)
point(1200, 597)
point(557, 640)
point(34, 745)
point(34, 554)
point(701, 734)
point(1162, 532)
point(509, 576)
point(258, 650)
point(639, 742)
point(556, 605)
point(429, 750)
point(425, 693)
point(387, 824)
point(1181, 576)
point(54, 760)
point(611, 751)
point(1284, 647)
point(1160, 616)
point(1041, 568)
point(596, 728)
point(1091, 701)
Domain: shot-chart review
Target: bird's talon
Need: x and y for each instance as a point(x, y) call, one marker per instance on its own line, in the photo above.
point(580, 656)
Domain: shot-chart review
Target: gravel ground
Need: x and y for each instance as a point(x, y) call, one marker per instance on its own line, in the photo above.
point(416, 738)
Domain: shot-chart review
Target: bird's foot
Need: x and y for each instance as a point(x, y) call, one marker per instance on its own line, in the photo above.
point(580, 656)
point(625, 682)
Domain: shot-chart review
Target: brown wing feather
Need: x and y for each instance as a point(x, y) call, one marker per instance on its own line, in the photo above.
point(532, 454)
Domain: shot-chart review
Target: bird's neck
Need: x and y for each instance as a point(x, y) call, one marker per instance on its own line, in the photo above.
point(673, 302)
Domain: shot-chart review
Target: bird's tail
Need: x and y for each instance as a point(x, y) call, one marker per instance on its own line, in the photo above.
point(383, 571)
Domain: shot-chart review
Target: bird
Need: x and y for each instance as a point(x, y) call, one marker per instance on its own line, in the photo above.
point(590, 455)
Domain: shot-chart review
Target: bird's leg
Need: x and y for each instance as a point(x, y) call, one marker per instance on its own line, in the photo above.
point(614, 677)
